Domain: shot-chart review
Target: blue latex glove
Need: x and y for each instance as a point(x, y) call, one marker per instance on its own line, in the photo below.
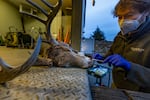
point(98, 56)
point(118, 61)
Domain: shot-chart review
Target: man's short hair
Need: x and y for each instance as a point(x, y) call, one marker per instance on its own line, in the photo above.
point(139, 5)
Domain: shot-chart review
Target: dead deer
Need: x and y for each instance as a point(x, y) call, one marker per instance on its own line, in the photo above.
point(60, 53)
point(8, 72)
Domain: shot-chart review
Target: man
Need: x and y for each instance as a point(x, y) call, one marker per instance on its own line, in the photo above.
point(130, 51)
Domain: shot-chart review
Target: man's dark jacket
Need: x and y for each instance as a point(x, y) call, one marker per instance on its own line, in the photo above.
point(135, 47)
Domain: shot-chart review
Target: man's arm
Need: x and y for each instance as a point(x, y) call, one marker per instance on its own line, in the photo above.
point(139, 75)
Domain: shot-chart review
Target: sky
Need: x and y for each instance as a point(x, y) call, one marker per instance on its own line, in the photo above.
point(101, 16)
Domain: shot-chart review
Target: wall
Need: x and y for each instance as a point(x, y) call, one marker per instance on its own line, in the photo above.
point(56, 24)
point(66, 24)
point(9, 16)
point(32, 25)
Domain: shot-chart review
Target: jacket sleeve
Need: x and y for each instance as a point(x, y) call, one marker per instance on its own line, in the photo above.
point(115, 42)
point(139, 75)
point(110, 51)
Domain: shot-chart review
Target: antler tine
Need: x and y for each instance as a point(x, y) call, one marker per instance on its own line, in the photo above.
point(33, 58)
point(50, 19)
point(34, 16)
point(49, 5)
point(7, 72)
point(38, 7)
point(54, 9)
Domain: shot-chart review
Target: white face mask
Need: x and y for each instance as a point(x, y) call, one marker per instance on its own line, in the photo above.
point(129, 25)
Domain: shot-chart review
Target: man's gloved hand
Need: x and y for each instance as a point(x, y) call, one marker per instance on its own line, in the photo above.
point(118, 61)
point(97, 56)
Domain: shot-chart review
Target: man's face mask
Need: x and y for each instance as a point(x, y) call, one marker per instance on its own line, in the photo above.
point(128, 25)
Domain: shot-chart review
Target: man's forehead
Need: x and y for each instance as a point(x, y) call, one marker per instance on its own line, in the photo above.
point(129, 11)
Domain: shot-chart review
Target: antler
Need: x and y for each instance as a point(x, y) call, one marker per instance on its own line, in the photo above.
point(8, 72)
point(60, 53)
point(50, 17)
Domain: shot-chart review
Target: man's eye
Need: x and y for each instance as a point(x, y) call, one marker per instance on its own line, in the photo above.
point(119, 17)
point(128, 16)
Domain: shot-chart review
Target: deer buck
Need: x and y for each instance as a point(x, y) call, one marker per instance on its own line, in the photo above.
point(60, 53)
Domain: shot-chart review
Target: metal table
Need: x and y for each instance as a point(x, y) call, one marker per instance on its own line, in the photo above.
point(43, 83)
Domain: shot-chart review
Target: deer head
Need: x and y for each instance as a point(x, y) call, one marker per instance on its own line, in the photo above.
point(60, 53)
point(8, 72)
